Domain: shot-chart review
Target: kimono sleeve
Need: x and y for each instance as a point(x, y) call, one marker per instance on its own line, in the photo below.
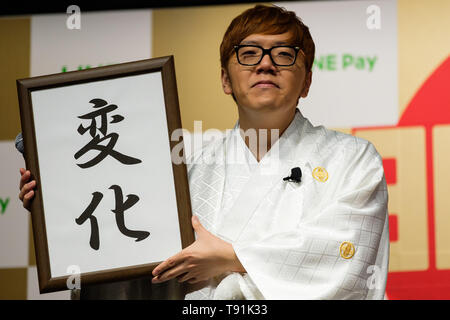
point(340, 252)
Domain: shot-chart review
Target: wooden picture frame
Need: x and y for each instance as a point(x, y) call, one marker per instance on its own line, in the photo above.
point(47, 105)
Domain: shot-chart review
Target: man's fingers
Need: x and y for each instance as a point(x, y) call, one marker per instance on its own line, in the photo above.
point(29, 195)
point(169, 263)
point(186, 277)
point(193, 281)
point(27, 198)
point(170, 274)
point(24, 178)
point(26, 190)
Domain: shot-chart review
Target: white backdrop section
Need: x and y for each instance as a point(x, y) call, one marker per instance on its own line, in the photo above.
point(104, 38)
point(68, 188)
point(14, 219)
point(355, 77)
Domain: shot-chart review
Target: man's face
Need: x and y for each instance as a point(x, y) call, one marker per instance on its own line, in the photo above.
point(266, 86)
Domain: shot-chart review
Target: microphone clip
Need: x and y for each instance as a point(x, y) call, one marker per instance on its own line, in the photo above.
point(296, 175)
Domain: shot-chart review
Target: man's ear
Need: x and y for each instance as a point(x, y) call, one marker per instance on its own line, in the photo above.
point(226, 82)
point(308, 79)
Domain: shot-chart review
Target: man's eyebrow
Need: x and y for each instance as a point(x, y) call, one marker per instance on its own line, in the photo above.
point(278, 43)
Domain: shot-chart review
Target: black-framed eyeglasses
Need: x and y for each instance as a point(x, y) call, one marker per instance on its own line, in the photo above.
point(251, 55)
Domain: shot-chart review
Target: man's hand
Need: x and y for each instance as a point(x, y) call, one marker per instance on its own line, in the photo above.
point(206, 258)
point(26, 187)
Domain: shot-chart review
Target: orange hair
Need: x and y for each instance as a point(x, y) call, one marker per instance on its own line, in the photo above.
point(263, 19)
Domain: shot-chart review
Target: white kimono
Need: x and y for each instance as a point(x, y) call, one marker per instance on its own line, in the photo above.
point(323, 238)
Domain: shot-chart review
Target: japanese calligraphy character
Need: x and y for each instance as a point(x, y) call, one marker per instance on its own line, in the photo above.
point(119, 211)
point(94, 144)
point(88, 214)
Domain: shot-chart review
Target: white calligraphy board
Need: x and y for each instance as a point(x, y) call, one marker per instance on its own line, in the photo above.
point(67, 189)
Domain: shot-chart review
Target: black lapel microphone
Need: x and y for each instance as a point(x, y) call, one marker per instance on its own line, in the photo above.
point(296, 175)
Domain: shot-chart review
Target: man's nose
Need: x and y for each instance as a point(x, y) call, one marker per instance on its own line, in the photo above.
point(266, 64)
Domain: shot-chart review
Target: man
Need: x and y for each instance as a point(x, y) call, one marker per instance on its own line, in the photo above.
point(321, 233)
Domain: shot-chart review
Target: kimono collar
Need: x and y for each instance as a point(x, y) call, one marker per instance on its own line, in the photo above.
point(284, 148)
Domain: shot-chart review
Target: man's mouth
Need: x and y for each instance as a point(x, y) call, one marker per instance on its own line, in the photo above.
point(265, 84)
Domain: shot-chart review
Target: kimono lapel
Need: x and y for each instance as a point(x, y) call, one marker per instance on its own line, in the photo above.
point(274, 166)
